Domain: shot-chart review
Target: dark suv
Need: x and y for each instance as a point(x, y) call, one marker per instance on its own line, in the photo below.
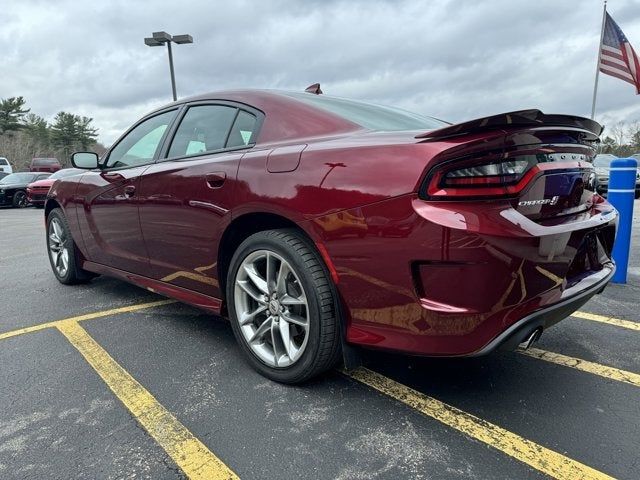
point(45, 165)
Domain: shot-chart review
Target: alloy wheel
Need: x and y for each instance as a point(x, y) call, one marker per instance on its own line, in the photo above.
point(58, 250)
point(272, 309)
point(21, 200)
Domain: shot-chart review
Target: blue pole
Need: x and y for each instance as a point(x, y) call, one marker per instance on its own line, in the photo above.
point(622, 188)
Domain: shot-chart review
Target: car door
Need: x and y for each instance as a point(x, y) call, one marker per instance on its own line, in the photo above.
point(186, 197)
point(110, 220)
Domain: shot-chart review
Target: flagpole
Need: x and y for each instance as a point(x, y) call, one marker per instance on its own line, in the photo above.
point(595, 85)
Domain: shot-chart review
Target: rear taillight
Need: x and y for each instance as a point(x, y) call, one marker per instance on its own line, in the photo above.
point(487, 175)
point(493, 177)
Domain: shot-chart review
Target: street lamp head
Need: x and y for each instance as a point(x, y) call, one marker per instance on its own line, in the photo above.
point(158, 39)
point(161, 37)
point(183, 39)
point(152, 42)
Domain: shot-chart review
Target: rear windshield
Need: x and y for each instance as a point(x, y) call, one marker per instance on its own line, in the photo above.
point(3, 161)
point(19, 178)
point(45, 161)
point(66, 172)
point(603, 160)
point(368, 115)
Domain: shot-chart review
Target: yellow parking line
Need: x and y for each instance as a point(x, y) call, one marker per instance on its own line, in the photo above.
point(617, 322)
point(547, 461)
point(88, 316)
point(584, 365)
point(33, 328)
point(189, 453)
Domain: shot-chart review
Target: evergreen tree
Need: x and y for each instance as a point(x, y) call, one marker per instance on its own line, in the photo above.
point(87, 134)
point(37, 130)
point(12, 113)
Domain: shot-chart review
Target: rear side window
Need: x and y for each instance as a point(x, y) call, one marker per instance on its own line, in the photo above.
point(204, 128)
point(243, 130)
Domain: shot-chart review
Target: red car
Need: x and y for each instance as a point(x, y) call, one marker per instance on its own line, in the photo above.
point(454, 240)
point(37, 191)
point(45, 165)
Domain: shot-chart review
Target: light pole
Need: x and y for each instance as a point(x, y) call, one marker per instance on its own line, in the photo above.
point(157, 40)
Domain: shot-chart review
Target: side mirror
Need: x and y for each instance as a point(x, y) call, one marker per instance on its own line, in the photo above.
point(86, 160)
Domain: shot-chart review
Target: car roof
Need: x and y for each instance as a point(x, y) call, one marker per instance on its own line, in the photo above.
point(287, 117)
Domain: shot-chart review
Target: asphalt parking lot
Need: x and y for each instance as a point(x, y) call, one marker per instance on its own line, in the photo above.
point(129, 385)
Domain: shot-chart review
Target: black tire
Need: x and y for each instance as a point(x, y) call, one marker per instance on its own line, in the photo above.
point(74, 274)
point(20, 199)
point(637, 194)
point(323, 346)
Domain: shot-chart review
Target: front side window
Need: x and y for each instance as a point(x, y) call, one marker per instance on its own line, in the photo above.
point(204, 128)
point(139, 146)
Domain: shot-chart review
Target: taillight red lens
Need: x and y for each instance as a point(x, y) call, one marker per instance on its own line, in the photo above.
point(495, 176)
point(501, 173)
point(489, 178)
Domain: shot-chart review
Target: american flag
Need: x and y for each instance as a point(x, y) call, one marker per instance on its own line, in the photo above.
point(617, 57)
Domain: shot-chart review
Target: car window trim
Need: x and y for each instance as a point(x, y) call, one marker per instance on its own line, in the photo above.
point(258, 114)
point(233, 122)
point(177, 108)
point(182, 116)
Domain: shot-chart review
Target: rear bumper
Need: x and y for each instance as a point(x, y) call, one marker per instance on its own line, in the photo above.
point(548, 316)
point(459, 279)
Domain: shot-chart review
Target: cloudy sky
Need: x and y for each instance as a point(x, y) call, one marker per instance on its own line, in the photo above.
point(456, 59)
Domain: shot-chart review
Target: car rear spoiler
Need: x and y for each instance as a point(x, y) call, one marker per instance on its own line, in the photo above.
point(521, 118)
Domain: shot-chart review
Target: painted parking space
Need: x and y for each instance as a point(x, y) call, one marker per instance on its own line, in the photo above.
point(552, 419)
point(58, 421)
point(333, 427)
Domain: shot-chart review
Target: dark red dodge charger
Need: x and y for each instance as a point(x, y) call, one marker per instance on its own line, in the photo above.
point(317, 223)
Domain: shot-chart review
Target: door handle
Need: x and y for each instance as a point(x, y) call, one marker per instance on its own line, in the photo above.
point(129, 191)
point(215, 179)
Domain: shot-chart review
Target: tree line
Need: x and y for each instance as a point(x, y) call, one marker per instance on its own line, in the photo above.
point(622, 139)
point(25, 135)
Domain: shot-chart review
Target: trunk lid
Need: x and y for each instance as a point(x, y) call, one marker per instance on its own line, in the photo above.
point(541, 163)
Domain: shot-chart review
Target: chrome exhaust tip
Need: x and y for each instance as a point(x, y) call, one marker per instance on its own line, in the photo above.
point(530, 339)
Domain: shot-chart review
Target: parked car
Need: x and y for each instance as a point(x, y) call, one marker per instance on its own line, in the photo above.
point(5, 166)
point(227, 201)
point(45, 165)
point(13, 188)
point(602, 163)
point(37, 191)
point(3, 174)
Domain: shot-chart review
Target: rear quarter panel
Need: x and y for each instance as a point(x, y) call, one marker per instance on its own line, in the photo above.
point(333, 175)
